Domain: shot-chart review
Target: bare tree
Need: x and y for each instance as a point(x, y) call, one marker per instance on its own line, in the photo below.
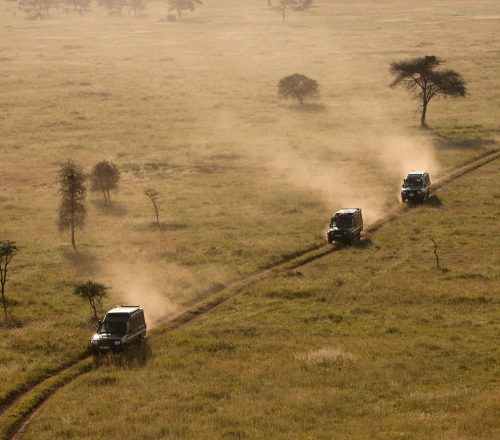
point(72, 210)
point(154, 197)
point(436, 247)
point(423, 82)
point(183, 5)
point(104, 177)
point(8, 250)
point(92, 292)
point(284, 8)
point(297, 86)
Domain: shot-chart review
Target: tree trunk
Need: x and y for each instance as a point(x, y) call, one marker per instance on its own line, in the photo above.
point(157, 217)
point(4, 302)
point(109, 198)
point(301, 100)
point(92, 304)
point(105, 199)
point(424, 111)
point(179, 13)
point(73, 235)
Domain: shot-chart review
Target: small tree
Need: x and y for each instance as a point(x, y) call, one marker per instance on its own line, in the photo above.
point(72, 210)
point(114, 7)
point(154, 197)
point(8, 250)
point(297, 86)
point(91, 292)
point(183, 5)
point(423, 82)
point(104, 177)
point(137, 7)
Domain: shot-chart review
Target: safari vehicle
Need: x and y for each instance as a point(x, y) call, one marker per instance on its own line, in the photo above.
point(416, 187)
point(346, 226)
point(121, 327)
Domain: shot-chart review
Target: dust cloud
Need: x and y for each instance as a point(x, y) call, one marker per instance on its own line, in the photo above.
point(361, 167)
point(139, 284)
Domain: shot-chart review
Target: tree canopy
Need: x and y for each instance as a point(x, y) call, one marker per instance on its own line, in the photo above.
point(183, 5)
point(92, 292)
point(72, 210)
point(104, 177)
point(297, 86)
point(423, 82)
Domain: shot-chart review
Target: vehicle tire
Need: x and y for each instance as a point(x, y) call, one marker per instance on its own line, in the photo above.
point(140, 340)
point(330, 241)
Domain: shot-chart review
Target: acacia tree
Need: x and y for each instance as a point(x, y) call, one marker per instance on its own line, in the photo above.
point(183, 5)
point(104, 177)
point(423, 82)
point(154, 197)
point(72, 210)
point(297, 86)
point(91, 292)
point(8, 250)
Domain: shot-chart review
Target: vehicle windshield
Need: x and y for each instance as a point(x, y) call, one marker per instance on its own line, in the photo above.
point(342, 222)
point(114, 328)
point(413, 182)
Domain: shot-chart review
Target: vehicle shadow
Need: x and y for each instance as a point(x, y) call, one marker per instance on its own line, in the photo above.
point(433, 201)
point(364, 243)
point(136, 356)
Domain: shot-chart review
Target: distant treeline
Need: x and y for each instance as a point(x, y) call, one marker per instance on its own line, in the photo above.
point(41, 9)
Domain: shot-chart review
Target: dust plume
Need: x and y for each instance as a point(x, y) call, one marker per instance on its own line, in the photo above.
point(139, 284)
point(361, 167)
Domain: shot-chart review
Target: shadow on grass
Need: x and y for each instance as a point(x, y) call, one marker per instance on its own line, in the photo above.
point(309, 107)
point(364, 243)
point(84, 262)
point(433, 201)
point(115, 209)
point(136, 356)
point(463, 137)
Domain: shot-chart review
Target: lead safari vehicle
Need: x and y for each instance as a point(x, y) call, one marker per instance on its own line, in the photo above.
point(346, 226)
point(416, 187)
point(120, 328)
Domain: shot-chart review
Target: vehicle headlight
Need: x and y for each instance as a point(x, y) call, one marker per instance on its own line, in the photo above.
point(118, 342)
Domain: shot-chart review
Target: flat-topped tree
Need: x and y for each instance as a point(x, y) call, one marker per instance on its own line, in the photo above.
point(183, 5)
point(423, 82)
point(298, 87)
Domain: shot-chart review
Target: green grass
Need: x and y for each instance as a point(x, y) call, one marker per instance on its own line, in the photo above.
point(191, 109)
point(371, 342)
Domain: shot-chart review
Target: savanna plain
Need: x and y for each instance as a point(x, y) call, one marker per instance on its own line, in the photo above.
point(371, 341)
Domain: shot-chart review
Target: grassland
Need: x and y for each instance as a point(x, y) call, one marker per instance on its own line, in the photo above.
point(370, 342)
point(191, 109)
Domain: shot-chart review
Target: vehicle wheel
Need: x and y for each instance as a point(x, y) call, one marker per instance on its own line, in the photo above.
point(140, 340)
point(403, 200)
point(330, 240)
